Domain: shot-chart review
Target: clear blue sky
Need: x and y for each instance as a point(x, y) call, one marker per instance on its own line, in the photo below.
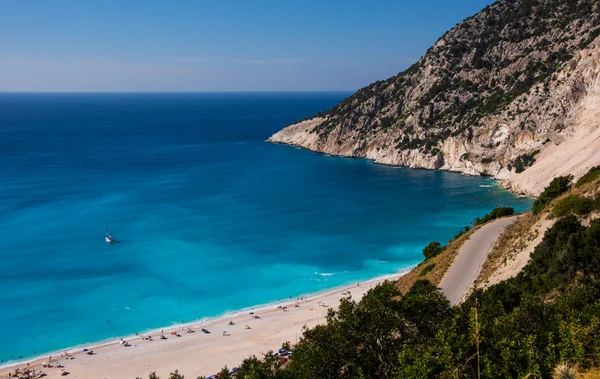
point(235, 45)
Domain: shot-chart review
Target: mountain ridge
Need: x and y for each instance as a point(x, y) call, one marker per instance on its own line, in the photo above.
point(510, 92)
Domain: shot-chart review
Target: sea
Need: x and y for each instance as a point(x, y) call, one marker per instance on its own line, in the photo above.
point(209, 218)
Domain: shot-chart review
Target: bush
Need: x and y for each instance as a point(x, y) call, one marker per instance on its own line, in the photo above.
point(597, 202)
point(427, 268)
point(557, 187)
point(584, 206)
point(524, 161)
point(433, 249)
point(573, 204)
point(589, 177)
point(463, 231)
point(494, 214)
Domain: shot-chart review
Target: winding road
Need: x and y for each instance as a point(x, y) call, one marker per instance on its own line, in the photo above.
point(467, 265)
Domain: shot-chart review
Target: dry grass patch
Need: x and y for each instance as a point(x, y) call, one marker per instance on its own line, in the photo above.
point(591, 374)
point(511, 242)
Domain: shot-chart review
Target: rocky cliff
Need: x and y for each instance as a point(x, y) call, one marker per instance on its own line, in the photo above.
point(512, 92)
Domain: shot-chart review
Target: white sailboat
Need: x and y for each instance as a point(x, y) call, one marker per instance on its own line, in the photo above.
point(108, 238)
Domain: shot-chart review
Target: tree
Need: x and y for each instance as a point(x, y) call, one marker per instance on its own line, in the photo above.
point(224, 374)
point(432, 249)
point(557, 187)
point(266, 368)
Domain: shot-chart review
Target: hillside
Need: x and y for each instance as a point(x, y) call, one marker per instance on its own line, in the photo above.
point(512, 92)
point(514, 248)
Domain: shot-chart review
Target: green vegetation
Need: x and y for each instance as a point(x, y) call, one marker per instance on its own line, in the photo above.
point(590, 176)
point(592, 36)
point(432, 249)
point(326, 127)
point(463, 231)
point(494, 214)
point(557, 187)
point(173, 375)
point(573, 204)
point(524, 161)
point(386, 122)
point(426, 269)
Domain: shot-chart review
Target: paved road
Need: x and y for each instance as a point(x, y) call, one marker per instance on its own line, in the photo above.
point(471, 256)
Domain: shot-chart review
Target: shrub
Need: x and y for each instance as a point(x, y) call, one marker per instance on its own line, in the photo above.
point(427, 268)
point(433, 249)
point(557, 187)
point(465, 229)
point(589, 177)
point(584, 206)
point(494, 214)
point(524, 161)
point(573, 204)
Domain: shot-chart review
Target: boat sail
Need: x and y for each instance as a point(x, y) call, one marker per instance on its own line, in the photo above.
point(108, 238)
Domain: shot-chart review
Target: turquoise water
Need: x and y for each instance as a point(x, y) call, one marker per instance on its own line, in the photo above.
point(209, 217)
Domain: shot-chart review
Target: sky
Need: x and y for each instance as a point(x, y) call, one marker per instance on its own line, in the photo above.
point(224, 45)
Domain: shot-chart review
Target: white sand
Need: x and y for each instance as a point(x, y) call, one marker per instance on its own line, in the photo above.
point(198, 353)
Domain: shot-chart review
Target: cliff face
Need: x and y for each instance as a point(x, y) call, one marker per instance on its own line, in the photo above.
point(512, 92)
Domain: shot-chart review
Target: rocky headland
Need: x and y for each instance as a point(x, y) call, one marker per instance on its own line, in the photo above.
point(512, 92)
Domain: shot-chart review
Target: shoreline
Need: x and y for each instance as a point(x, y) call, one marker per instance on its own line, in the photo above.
point(267, 308)
point(502, 183)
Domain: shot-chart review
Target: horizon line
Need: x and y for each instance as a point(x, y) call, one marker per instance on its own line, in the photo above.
point(175, 91)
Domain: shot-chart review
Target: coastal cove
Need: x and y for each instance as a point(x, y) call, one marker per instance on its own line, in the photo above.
point(209, 218)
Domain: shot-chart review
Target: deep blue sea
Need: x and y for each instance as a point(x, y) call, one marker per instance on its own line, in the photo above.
point(209, 217)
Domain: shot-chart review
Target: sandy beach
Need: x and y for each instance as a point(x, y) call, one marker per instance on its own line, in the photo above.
point(198, 353)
